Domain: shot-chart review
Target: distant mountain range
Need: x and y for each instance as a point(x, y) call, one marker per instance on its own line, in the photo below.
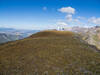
point(9, 37)
point(10, 34)
point(90, 35)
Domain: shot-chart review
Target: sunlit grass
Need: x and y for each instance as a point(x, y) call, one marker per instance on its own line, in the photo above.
point(49, 53)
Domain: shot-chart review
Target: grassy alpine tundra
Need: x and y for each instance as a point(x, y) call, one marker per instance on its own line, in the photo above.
point(49, 53)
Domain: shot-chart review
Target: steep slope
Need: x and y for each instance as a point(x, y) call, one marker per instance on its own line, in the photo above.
point(90, 35)
point(93, 36)
point(49, 53)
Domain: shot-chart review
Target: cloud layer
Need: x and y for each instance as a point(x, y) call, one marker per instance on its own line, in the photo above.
point(61, 23)
point(78, 21)
point(69, 13)
point(94, 20)
point(69, 17)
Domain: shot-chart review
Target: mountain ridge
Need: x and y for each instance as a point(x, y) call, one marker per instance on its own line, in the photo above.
point(59, 54)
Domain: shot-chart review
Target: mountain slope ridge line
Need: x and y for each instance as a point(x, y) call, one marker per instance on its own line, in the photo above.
point(29, 55)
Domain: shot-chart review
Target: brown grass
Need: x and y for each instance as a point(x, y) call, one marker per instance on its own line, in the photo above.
point(53, 33)
point(61, 54)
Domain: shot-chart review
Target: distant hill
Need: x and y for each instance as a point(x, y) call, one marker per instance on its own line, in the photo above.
point(10, 34)
point(90, 35)
point(49, 53)
point(9, 37)
point(93, 36)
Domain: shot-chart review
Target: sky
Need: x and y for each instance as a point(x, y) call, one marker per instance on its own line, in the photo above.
point(48, 14)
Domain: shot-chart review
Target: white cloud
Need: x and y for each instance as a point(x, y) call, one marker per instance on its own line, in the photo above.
point(79, 21)
point(94, 20)
point(68, 10)
point(61, 23)
point(44, 8)
point(81, 18)
point(76, 20)
point(69, 17)
point(69, 13)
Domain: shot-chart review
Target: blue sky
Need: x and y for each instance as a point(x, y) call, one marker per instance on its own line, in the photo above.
point(44, 14)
